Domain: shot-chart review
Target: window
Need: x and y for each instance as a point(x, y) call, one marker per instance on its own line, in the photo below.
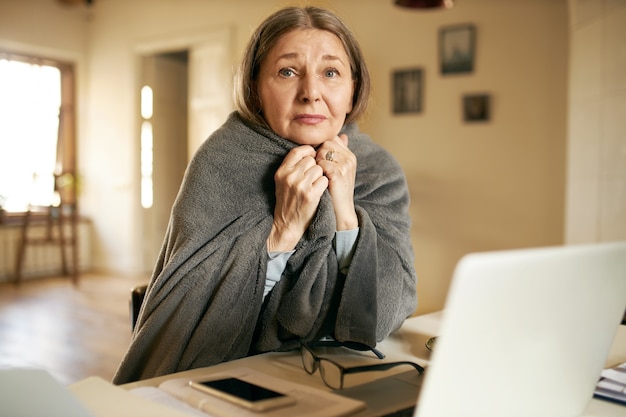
point(147, 156)
point(36, 129)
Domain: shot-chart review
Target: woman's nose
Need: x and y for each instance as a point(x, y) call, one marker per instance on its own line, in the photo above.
point(309, 88)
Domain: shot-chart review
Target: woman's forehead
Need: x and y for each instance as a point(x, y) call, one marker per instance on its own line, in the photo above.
point(298, 42)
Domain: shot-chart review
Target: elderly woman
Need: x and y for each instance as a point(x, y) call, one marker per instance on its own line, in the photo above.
point(290, 224)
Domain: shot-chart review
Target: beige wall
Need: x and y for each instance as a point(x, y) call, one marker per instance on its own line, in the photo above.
point(482, 186)
point(473, 187)
point(596, 186)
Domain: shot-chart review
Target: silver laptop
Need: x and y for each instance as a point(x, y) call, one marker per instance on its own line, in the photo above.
point(525, 332)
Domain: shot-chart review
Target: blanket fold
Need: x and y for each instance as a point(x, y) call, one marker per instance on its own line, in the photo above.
point(204, 304)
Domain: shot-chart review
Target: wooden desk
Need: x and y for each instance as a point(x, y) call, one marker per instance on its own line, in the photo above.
point(406, 344)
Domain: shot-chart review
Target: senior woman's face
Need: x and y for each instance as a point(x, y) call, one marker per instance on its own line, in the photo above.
point(305, 86)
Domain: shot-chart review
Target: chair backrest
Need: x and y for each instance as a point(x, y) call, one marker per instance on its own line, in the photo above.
point(136, 299)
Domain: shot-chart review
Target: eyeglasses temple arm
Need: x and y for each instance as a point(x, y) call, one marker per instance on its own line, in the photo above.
point(381, 367)
point(378, 353)
point(351, 345)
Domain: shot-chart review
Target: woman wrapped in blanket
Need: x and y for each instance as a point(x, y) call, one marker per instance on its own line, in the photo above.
point(290, 224)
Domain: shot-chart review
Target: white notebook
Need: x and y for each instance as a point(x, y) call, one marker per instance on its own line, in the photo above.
point(310, 402)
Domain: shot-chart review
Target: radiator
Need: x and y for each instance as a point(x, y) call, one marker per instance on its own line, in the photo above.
point(41, 259)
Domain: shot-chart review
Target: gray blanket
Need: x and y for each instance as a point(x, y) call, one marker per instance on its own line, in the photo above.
point(204, 304)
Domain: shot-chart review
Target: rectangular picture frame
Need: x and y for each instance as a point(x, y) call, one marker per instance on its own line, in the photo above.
point(407, 88)
point(476, 108)
point(457, 49)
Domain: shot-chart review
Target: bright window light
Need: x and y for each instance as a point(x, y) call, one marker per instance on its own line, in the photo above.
point(30, 101)
point(146, 102)
point(147, 193)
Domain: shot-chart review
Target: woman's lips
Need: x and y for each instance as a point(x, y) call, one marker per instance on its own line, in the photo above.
point(310, 119)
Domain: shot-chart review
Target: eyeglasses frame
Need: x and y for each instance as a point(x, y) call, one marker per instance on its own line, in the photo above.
point(353, 369)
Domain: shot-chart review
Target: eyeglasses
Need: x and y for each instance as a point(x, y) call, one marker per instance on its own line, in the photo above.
point(333, 373)
point(361, 347)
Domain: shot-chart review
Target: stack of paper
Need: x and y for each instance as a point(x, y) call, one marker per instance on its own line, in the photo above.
point(106, 400)
point(612, 384)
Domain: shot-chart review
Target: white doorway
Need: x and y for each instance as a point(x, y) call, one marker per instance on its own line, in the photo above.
point(191, 82)
point(163, 145)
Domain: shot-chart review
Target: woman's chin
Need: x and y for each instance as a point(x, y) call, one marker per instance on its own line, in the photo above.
point(310, 135)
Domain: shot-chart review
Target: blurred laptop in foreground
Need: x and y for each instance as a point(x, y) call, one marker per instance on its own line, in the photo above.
point(524, 333)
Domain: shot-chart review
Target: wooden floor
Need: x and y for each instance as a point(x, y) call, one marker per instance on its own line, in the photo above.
point(71, 331)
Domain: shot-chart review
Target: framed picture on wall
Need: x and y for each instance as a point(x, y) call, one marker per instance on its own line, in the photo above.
point(407, 88)
point(457, 49)
point(476, 108)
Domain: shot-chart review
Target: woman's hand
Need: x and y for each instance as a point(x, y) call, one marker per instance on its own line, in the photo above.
point(300, 183)
point(339, 166)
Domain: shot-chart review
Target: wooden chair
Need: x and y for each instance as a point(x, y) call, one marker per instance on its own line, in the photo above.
point(56, 221)
point(137, 295)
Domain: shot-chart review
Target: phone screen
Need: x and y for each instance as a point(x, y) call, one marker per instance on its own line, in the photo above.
point(242, 389)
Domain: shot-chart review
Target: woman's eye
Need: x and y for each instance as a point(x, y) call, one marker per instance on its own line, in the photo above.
point(287, 72)
point(331, 73)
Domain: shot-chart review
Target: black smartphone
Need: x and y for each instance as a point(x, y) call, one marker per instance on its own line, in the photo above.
point(244, 393)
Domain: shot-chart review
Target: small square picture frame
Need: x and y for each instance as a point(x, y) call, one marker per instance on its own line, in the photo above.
point(408, 89)
point(457, 48)
point(476, 108)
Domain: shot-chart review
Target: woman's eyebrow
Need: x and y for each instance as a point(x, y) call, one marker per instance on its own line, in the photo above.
point(288, 55)
point(292, 55)
point(331, 57)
